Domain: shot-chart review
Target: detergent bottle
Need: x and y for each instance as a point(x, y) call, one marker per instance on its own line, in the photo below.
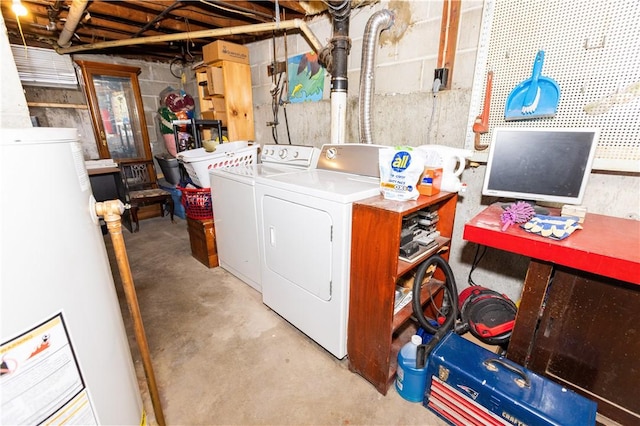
point(452, 160)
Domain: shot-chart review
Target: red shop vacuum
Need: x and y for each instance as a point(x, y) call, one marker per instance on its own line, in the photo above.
point(487, 314)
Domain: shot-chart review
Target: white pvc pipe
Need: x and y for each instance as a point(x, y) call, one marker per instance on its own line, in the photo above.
point(73, 18)
point(338, 117)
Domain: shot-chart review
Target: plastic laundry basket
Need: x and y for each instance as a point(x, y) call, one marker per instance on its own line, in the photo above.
point(197, 203)
point(198, 162)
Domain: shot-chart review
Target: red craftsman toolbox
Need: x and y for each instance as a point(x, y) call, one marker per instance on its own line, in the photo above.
point(469, 385)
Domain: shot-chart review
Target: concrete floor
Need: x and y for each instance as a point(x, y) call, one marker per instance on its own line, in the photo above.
point(220, 356)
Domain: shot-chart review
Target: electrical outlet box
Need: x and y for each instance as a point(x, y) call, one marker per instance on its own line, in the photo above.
point(276, 68)
point(443, 75)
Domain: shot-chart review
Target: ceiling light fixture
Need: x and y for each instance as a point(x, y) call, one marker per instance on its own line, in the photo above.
point(18, 8)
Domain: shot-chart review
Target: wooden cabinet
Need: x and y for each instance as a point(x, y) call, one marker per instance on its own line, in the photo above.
point(224, 91)
point(117, 111)
point(202, 238)
point(375, 334)
point(587, 339)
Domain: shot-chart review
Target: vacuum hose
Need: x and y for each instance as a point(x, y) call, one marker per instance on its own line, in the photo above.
point(449, 306)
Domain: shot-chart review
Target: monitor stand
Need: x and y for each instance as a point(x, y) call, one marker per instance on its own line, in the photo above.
point(536, 208)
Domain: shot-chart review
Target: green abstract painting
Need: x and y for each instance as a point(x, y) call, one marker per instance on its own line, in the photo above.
point(306, 78)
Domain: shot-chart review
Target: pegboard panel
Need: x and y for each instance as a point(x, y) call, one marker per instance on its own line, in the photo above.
point(592, 51)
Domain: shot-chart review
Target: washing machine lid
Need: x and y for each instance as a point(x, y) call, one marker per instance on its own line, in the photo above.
point(248, 172)
point(325, 184)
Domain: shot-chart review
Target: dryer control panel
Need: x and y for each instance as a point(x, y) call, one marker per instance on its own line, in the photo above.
point(356, 158)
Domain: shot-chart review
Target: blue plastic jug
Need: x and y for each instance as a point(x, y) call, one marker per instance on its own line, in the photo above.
point(410, 381)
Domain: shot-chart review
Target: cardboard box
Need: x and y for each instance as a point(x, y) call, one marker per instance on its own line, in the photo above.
point(430, 181)
point(215, 81)
point(224, 51)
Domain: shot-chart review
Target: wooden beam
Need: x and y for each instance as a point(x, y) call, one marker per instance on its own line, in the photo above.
point(121, 13)
point(293, 5)
point(197, 16)
point(449, 37)
point(56, 105)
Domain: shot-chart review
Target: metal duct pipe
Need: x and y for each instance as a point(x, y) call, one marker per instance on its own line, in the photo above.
point(378, 22)
point(219, 32)
point(73, 18)
point(335, 58)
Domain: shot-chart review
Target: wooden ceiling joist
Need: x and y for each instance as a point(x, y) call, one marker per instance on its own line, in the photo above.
point(117, 20)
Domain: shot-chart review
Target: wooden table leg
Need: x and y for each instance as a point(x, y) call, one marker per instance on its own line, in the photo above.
point(134, 217)
point(532, 301)
point(171, 207)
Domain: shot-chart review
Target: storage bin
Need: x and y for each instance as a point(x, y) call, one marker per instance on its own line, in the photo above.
point(198, 162)
point(170, 168)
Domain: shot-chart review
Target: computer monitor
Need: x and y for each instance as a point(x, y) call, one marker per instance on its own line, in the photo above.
point(540, 164)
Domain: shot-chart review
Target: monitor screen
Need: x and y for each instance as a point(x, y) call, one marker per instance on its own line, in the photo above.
point(540, 164)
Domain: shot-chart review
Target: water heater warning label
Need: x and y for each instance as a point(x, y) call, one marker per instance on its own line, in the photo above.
point(41, 380)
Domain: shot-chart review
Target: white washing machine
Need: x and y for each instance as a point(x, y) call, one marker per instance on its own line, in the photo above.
point(234, 207)
point(304, 222)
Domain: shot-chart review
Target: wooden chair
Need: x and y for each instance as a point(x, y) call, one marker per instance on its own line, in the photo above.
point(141, 189)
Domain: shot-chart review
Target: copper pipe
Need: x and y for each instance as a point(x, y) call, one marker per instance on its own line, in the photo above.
point(219, 32)
point(111, 211)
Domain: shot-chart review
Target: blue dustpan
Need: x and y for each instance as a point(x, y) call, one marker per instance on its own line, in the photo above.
point(536, 97)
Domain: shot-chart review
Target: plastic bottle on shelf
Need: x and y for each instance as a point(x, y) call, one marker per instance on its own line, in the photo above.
point(410, 381)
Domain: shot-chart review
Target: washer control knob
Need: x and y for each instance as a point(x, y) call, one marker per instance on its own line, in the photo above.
point(283, 154)
point(296, 154)
point(331, 153)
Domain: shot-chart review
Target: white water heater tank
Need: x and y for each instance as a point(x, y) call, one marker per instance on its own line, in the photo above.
point(65, 356)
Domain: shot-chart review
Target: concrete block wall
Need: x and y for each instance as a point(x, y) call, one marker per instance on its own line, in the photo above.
point(405, 111)
point(80, 118)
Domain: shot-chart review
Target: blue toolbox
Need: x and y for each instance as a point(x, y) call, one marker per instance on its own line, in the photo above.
point(469, 385)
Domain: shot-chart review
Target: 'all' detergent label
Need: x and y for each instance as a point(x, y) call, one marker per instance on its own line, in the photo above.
point(400, 170)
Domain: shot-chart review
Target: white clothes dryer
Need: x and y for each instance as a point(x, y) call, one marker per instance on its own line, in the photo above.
point(304, 223)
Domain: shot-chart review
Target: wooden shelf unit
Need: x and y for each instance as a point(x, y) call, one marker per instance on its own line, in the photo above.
point(375, 334)
point(227, 96)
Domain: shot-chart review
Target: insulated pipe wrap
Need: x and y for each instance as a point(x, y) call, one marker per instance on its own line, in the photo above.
point(378, 22)
point(73, 18)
